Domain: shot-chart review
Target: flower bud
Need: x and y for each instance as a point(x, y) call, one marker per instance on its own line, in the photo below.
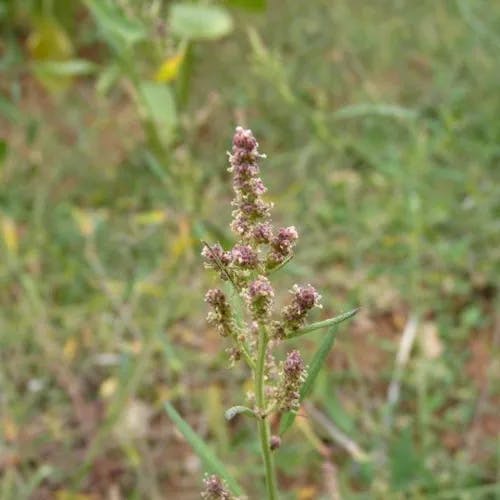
point(260, 296)
point(262, 233)
point(250, 208)
point(282, 246)
point(294, 365)
point(220, 317)
point(285, 239)
point(244, 256)
point(215, 489)
point(215, 297)
point(292, 377)
point(275, 442)
point(215, 257)
point(306, 297)
point(294, 314)
point(244, 139)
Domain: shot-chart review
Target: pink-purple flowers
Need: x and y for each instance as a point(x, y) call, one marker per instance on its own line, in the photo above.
point(246, 268)
point(259, 250)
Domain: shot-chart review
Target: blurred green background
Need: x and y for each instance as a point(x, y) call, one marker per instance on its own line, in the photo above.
point(381, 121)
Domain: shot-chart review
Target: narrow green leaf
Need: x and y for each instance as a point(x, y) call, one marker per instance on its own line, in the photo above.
point(200, 22)
point(236, 410)
point(288, 418)
point(254, 5)
point(43, 473)
point(318, 360)
point(161, 172)
point(388, 110)
point(160, 108)
point(10, 111)
point(4, 148)
point(107, 79)
point(405, 463)
point(281, 265)
point(323, 324)
point(211, 462)
point(73, 67)
point(115, 27)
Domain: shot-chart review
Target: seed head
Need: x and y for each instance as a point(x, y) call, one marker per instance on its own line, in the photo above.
point(215, 297)
point(244, 168)
point(294, 364)
point(244, 139)
point(306, 297)
point(250, 208)
point(262, 233)
point(292, 377)
point(244, 256)
point(275, 442)
point(285, 239)
point(293, 316)
point(215, 489)
point(220, 316)
point(282, 246)
point(215, 257)
point(260, 296)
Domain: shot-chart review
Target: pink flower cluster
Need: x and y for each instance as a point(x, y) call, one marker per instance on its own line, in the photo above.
point(250, 209)
point(259, 248)
point(215, 489)
point(260, 296)
point(221, 315)
point(292, 377)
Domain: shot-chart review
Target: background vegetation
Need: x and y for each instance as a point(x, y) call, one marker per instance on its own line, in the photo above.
point(381, 122)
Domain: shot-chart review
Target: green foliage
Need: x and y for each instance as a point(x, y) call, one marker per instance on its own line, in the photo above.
point(407, 465)
point(252, 5)
point(160, 108)
point(74, 67)
point(210, 461)
point(4, 149)
point(199, 22)
point(119, 31)
point(312, 374)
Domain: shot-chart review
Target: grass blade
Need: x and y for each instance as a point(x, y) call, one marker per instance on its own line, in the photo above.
point(207, 456)
point(288, 418)
point(362, 110)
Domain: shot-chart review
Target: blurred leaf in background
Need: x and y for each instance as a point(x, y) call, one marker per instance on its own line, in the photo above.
point(199, 22)
point(160, 108)
point(120, 31)
point(51, 48)
point(49, 40)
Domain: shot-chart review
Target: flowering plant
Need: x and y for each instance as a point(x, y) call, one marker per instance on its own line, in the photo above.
point(260, 250)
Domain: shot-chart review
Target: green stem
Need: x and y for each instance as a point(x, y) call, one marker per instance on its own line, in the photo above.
point(263, 422)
